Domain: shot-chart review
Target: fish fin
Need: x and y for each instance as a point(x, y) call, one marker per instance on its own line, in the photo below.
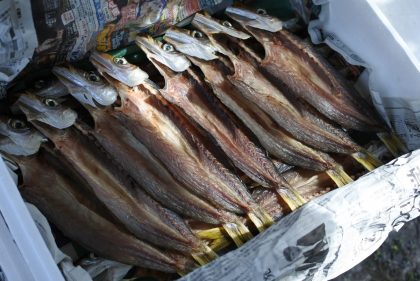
point(238, 232)
point(400, 144)
point(393, 143)
point(219, 244)
point(339, 176)
point(206, 256)
point(210, 234)
point(261, 219)
point(291, 197)
point(390, 144)
point(367, 160)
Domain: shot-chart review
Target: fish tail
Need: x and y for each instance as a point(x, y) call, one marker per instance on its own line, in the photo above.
point(291, 197)
point(219, 244)
point(339, 176)
point(261, 219)
point(211, 234)
point(367, 160)
point(400, 144)
point(206, 256)
point(238, 232)
point(390, 143)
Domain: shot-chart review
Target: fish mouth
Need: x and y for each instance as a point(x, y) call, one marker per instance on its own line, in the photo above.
point(209, 26)
point(118, 68)
point(258, 19)
point(163, 53)
point(192, 44)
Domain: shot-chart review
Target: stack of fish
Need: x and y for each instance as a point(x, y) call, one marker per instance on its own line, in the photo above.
point(161, 177)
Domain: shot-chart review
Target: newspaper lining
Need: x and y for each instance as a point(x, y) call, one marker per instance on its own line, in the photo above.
point(330, 234)
point(17, 39)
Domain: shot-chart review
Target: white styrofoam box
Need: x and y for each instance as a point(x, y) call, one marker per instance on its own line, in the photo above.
point(24, 255)
point(384, 37)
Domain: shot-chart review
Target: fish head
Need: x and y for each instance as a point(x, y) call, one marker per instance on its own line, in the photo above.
point(86, 86)
point(258, 19)
point(18, 138)
point(50, 88)
point(213, 28)
point(192, 43)
point(163, 55)
point(118, 68)
point(49, 110)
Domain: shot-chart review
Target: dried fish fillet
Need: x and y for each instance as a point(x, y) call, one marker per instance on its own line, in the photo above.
point(62, 196)
point(296, 63)
point(148, 171)
point(274, 139)
point(259, 90)
point(139, 213)
point(189, 93)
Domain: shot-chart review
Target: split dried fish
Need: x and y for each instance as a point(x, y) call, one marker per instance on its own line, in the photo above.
point(95, 90)
point(256, 88)
point(17, 138)
point(48, 110)
point(63, 198)
point(139, 213)
point(295, 63)
point(187, 91)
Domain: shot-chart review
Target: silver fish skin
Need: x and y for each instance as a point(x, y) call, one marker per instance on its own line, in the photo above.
point(191, 43)
point(139, 213)
point(47, 110)
point(118, 68)
point(164, 53)
point(17, 138)
point(86, 87)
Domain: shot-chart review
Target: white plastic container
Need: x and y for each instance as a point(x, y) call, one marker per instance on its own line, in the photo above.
point(24, 255)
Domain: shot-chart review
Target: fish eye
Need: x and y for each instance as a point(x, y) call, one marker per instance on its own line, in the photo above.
point(227, 24)
point(50, 102)
point(120, 61)
point(261, 11)
point(93, 77)
point(17, 124)
point(168, 47)
point(197, 34)
point(40, 84)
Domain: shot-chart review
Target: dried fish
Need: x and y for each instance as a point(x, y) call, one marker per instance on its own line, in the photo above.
point(258, 89)
point(63, 198)
point(295, 63)
point(149, 172)
point(174, 141)
point(290, 115)
point(48, 110)
point(189, 93)
point(93, 89)
point(17, 138)
point(139, 213)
